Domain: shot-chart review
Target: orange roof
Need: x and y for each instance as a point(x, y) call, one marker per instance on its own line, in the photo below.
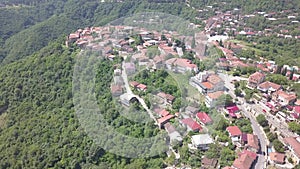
point(215, 95)
point(253, 141)
point(207, 85)
point(277, 157)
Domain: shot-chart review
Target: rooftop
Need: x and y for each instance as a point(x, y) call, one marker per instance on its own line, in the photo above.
point(234, 131)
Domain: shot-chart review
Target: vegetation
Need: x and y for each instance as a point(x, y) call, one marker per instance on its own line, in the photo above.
point(279, 147)
point(295, 127)
point(261, 119)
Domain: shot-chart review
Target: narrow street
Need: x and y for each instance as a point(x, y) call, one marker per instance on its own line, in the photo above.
point(261, 160)
point(129, 91)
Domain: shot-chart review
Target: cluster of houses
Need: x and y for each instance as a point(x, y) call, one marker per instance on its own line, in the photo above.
point(233, 23)
point(273, 98)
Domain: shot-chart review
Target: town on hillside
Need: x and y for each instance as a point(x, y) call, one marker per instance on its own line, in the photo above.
point(238, 113)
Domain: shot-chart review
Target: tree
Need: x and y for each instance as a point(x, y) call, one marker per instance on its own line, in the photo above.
point(279, 147)
point(238, 92)
point(224, 100)
point(295, 127)
point(261, 119)
point(292, 74)
point(277, 78)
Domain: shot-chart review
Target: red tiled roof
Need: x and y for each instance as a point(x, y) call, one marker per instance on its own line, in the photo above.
point(204, 118)
point(289, 97)
point(253, 141)
point(277, 157)
point(297, 109)
point(191, 124)
point(134, 83)
point(163, 113)
point(257, 76)
point(234, 131)
point(142, 86)
point(292, 141)
point(249, 153)
point(164, 119)
point(116, 88)
point(267, 85)
point(243, 162)
point(207, 85)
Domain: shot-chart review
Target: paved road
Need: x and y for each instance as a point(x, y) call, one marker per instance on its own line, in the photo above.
point(261, 160)
point(128, 90)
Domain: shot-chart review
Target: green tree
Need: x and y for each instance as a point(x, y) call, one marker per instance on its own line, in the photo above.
point(278, 146)
point(261, 119)
point(295, 127)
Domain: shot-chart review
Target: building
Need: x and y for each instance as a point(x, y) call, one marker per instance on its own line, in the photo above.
point(234, 133)
point(204, 118)
point(163, 120)
point(207, 82)
point(268, 87)
point(181, 65)
point(211, 99)
point(245, 160)
point(118, 80)
point(255, 79)
point(166, 97)
point(126, 99)
point(252, 143)
point(141, 87)
point(116, 90)
point(174, 135)
point(202, 141)
point(191, 110)
point(207, 163)
point(191, 124)
point(283, 98)
point(277, 158)
point(130, 68)
point(293, 144)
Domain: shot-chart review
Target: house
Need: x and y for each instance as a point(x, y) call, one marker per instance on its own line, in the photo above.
point(141, 87)
point(117, 72)
point(130, 68)
point(118, 80)
point(255, 79)
point(202, 141)
point(134, 84)
point(277, 158)
point(207, 163)
point(116, 90)
point(126, 99)
point(191, 110)
point(173, 133)
point(268, 87)
point(293, 144)
point(166, 97)
point(204, 118)
point(163, 113)
point(207, 82)
point(234, 133)
point(211, 99)
point(163, 120)
point(181, 65)
point(191, 124)
point(283, 98)
point(245, 160)
point(232, 110)
point(252, 143)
